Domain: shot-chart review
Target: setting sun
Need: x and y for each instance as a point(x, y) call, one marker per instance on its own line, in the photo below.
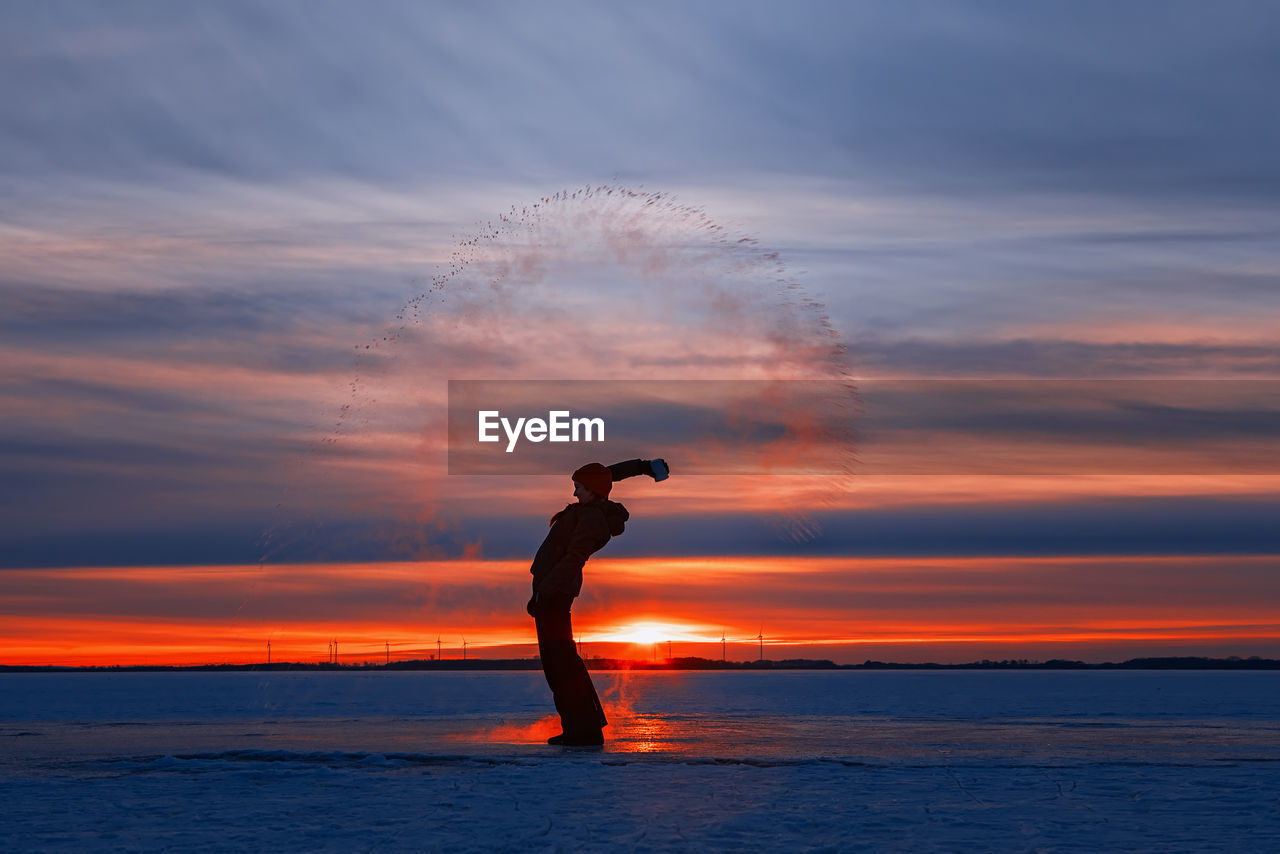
point(651, 632)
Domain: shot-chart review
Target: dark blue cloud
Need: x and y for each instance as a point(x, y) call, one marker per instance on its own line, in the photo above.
point(1136, 414)
point(1147, 98)
point(1067, 359)
point(275, 327)
point(1131, 526)
point(1136, 526)
point(1150, 98)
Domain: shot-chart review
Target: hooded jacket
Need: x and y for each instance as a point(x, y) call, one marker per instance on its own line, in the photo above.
point(577, 532)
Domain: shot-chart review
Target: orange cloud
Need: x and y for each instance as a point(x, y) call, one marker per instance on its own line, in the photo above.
point(915, 608)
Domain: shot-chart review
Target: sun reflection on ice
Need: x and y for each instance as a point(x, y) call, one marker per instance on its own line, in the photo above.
point(627, 732)
point(644, 734)
point(505, 733)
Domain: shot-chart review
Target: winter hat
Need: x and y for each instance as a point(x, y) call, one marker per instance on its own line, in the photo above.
point(596, 478)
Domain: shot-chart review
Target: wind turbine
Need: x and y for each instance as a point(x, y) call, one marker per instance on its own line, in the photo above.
point(268, 652)
point(722, 654)
point(464, 649)
point(760, 637)
point(438, 655)
point(388, 643)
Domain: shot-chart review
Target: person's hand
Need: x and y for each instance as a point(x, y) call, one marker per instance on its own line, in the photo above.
point(532, 606)
point(659, 469)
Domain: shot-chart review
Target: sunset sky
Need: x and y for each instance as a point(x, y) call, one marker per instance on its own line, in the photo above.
point(245, 247)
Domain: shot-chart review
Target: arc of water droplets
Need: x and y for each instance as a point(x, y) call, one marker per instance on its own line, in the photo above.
point(523, 218)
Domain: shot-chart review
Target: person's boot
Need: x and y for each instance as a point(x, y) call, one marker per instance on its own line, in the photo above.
point(593, 738)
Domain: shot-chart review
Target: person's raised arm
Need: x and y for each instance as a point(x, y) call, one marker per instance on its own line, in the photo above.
point(656, 469)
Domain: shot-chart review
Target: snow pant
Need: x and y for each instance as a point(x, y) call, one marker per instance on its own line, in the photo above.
point(575, 697)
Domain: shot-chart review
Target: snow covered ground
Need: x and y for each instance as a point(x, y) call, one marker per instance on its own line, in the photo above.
point(823, 761)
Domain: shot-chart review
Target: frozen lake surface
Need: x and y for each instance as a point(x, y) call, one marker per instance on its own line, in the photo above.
point(834, 761)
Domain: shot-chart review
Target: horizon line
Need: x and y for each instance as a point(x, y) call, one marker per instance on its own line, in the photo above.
point(684, 663)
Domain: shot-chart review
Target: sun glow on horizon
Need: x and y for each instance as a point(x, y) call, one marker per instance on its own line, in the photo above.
point(845, 609)
point(649, 632)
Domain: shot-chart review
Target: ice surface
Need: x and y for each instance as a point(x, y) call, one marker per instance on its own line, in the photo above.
point(409, 761)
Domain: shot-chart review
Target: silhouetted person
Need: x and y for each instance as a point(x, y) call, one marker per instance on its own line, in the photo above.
point(577, 532)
